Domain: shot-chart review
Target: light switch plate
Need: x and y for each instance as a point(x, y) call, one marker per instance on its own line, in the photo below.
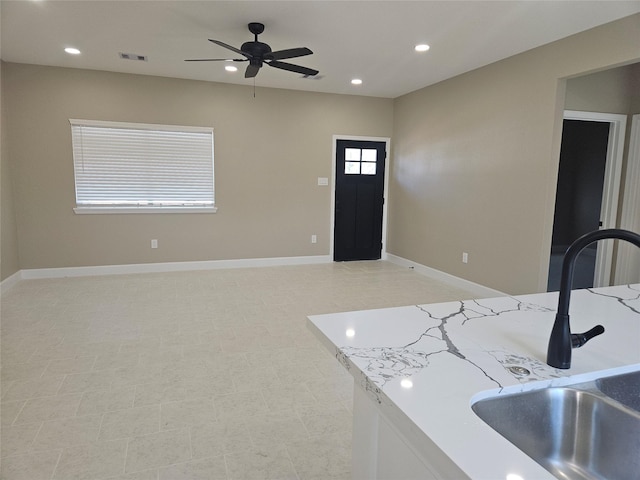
point(323, 181)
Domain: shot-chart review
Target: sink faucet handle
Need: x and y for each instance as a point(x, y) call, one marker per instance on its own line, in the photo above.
point(561, 340)
point(579, 339)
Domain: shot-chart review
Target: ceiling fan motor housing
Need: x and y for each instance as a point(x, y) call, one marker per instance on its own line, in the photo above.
point(256, 49)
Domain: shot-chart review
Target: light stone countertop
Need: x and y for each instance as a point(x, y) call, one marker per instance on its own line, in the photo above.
point(456, 353)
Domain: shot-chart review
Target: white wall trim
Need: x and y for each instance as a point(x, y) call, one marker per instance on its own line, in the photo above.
point(128, 210)
point(10, 281)
point(611, 186)
point(39, 273)
point(387, 141)
point(628, 261)
point(479, 291)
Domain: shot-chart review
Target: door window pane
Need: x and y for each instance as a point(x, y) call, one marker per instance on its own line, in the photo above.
point(352, 154)
point(369, 154)
point(351, 168)
point(368, 168)
point(360, 161)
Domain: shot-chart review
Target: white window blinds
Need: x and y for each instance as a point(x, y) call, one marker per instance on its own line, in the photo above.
point(133, 166)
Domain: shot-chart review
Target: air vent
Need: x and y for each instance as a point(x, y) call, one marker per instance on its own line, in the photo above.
point(133, 56)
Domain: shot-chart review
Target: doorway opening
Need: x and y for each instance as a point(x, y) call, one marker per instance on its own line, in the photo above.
point(628, 257)
point(587, 194)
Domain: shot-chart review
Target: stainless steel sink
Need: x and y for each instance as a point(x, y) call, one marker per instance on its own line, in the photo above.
point(624, 388)
point(574, 432)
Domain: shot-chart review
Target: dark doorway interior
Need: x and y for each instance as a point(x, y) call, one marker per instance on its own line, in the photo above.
point(583, 156)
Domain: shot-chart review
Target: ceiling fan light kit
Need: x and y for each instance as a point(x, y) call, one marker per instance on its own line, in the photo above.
point(258, 54)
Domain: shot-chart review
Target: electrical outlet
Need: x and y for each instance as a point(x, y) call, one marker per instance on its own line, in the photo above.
point(465, 257)
point(154, 243)
point(314, 239)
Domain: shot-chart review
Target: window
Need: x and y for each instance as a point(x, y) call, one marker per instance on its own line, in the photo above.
point(360, 161)
point(132, 167)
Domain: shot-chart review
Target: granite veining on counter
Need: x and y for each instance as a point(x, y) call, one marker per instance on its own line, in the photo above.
point(382, 364)
point(430, 362)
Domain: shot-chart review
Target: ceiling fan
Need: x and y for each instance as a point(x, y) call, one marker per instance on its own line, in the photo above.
point(258, 54)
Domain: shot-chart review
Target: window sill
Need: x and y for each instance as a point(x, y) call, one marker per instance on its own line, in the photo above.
point(128, 210)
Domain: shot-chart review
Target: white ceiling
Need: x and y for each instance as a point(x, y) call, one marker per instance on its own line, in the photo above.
point(371, 40)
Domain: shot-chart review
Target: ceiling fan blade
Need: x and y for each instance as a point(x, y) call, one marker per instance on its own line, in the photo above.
point(292, 68)
point(251, 71)
point(233, 49)
point(289, 53)
point(217, 60)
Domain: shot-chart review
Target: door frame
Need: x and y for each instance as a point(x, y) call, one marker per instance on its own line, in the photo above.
point(611, 185)
point(630, 218)
point(334, 150)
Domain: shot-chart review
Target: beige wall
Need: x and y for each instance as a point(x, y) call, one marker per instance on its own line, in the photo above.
point(8, 237)
point(269, 151)
point(476, 159)
point(616, 90)
point(473, 169)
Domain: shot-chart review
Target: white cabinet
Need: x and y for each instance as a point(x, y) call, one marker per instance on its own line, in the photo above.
point(394, 450)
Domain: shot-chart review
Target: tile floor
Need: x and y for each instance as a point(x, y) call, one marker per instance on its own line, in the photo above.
point(190, 375)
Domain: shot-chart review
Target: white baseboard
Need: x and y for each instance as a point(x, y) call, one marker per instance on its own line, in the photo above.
point(479, 291)
point(38, 273)
point(10, 281)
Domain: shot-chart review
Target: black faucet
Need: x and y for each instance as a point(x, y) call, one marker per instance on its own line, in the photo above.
point(562, 340)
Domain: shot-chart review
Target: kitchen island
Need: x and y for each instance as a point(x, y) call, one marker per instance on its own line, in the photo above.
point(418, 369)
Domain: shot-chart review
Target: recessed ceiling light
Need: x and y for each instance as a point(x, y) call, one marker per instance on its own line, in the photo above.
point(423, 47)
point(231, 68)
point(72, 51)
point(406, 383)
point(514, 476)
point(356, 81)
